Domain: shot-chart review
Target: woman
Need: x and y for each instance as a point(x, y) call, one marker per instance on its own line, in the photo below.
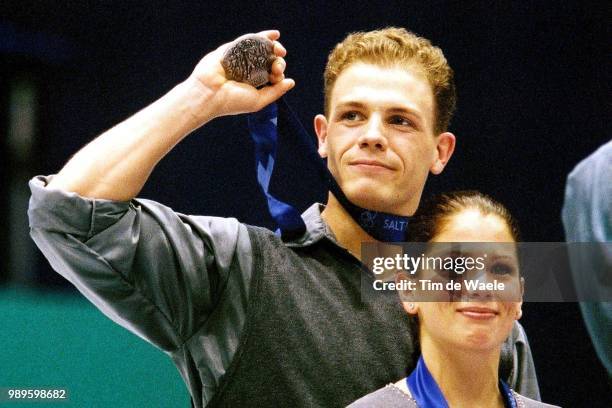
point(461, 337)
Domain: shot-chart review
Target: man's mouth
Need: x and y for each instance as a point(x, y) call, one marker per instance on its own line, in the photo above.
point(370, 164)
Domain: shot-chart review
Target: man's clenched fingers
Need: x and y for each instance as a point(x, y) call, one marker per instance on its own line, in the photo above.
point(279, 50)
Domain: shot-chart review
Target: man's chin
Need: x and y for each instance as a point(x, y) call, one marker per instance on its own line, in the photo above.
point(377, 196)
point(372, 200)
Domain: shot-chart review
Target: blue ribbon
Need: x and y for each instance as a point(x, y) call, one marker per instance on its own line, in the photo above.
point(427, 394)
point(263, 130)
point(509, 400)
point(424, 388)
point(277, 119)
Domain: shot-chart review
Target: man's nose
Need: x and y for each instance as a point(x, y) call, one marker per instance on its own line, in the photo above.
point(373, 136)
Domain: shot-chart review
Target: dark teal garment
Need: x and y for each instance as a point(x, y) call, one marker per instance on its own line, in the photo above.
point(181, 282)
point(587, 217)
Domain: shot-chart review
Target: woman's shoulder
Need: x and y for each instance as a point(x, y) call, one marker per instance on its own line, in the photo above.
point(393, 396)
point(389, 396)
point(524, 402)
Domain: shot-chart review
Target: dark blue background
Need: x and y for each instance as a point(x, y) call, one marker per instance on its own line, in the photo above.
point(533, 89)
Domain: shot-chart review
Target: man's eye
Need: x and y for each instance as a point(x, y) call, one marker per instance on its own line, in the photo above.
point(501, 269)
point(351, 115)
point(400, 120)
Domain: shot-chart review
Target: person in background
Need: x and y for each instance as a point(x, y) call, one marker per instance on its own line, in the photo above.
point(587, 217)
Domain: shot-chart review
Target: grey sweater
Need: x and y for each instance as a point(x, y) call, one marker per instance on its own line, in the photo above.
point(180, 282)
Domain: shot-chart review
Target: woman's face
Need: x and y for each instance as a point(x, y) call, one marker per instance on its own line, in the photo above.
point(477, 318)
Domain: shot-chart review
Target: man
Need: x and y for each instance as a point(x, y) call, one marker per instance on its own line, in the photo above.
point(248, 319)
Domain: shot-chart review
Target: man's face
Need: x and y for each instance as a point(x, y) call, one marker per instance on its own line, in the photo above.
point(379, 138)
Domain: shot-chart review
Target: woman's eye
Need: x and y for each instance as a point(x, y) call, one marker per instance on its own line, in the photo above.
point(447, 274)
point(501, 269)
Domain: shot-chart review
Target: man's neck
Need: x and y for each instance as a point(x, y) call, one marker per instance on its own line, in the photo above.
point(347, 232)
point(466, 379)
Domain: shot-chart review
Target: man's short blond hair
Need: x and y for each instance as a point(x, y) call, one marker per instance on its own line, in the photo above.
point(392, 47)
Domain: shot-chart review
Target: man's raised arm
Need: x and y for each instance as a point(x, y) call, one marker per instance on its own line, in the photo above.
point(117, 163)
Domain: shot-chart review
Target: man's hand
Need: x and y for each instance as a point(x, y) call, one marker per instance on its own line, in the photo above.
point(227, 97)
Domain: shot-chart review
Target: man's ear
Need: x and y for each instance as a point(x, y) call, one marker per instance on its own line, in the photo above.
point(444, 150)
point(320, 125)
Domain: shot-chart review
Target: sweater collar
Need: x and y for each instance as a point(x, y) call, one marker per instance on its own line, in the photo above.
point(316, 228)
